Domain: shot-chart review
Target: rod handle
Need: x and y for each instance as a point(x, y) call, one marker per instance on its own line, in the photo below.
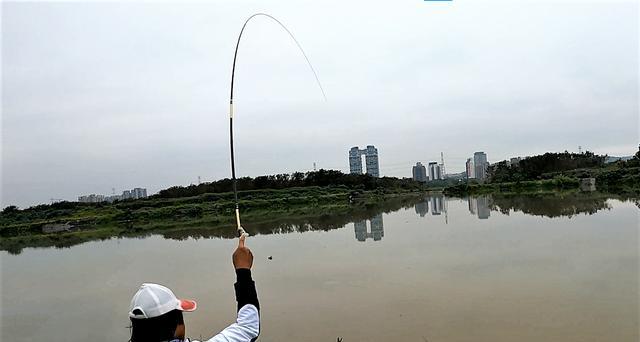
point(241, 230)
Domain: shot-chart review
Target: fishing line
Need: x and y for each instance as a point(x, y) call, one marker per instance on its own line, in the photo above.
point(241, 230)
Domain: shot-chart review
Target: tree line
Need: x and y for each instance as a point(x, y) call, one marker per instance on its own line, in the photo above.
point(297, 179)
point(538, 167)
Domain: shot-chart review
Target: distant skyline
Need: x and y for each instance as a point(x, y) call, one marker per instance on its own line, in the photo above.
point(108, 95)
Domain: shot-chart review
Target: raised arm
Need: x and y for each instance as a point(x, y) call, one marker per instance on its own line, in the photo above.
point(247, 325)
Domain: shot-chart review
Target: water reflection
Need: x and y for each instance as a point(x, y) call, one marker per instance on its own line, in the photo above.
point(555, 204)
point(437, 203)
point(422, 207)
point(377, 229)
point(480, 206)
point(318, 220)
point(548, 205)
point(570, 280)
point(552, 204)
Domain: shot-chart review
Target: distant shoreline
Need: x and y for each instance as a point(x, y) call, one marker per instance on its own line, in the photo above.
point(621, 178)
point(150, 216)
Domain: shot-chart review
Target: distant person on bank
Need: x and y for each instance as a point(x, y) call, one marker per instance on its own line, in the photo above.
point(156, 313)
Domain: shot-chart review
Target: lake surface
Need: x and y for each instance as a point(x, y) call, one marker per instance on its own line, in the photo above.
point(438, 269)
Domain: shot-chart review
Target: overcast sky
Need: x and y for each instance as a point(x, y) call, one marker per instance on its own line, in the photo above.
point(98, 96)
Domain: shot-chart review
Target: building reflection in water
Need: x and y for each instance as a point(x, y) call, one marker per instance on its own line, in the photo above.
point(422, 207)
point(479, 206)
point(377, 229)
point(438, 206)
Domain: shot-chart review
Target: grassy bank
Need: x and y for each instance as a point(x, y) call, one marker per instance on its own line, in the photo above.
point(211, 213)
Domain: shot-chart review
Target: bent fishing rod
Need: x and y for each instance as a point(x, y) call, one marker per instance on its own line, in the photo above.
point(241, 230)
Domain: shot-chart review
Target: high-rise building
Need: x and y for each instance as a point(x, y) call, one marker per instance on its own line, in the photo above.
point(355, 161)
point(419, 172)
point(469, 168)
point(480, 165)
point(370, 157)
point(138, 193)
point(435, 173)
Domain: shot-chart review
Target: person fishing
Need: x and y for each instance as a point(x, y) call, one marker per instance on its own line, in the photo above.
point(156, 313)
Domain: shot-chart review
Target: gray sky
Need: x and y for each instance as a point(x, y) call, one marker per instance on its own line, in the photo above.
point(120, 95)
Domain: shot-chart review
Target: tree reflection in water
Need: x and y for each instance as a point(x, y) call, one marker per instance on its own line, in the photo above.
point(556, 204)
point(567, 204)
point(324, 222)
point(552, 205)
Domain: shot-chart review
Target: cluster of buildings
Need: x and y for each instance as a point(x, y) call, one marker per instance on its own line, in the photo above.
point(370, 158)
point(476, 167)
point(127, 194)
point(433, 171)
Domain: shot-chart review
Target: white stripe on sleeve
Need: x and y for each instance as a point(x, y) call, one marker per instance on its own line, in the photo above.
point(246, 328)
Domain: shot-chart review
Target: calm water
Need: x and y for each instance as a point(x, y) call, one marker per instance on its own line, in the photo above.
point(481, 269)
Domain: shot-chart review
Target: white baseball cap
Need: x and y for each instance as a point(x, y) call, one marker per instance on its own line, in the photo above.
point(153, 300)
